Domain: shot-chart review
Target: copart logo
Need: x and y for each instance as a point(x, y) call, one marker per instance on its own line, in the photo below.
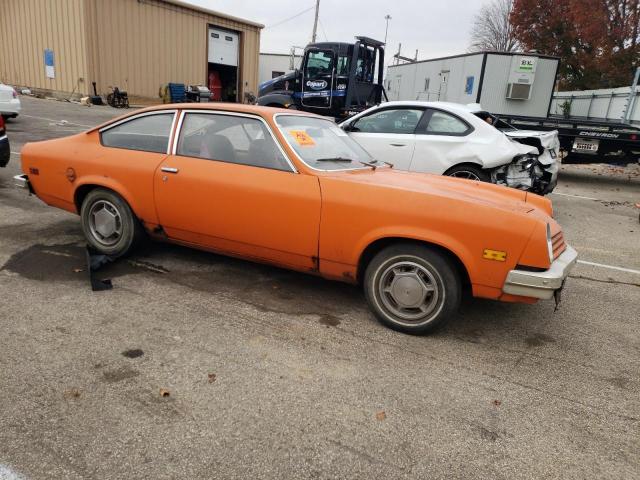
point(317, 84)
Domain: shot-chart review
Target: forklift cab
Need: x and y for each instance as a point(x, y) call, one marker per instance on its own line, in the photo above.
point(338, 78)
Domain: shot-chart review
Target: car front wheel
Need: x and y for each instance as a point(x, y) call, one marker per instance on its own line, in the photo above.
point(108, 223)
point(470, 172)
point(412, 288)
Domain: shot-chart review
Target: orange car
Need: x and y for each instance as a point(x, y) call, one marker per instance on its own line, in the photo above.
point(292, 189)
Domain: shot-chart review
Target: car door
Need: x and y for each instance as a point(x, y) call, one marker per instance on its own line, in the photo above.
point(129, 152)
point(318, 78)
point(229, 186)
point(388, 134)
point(441, 138)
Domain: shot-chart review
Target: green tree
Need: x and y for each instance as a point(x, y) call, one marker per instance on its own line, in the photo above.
point(598, 41)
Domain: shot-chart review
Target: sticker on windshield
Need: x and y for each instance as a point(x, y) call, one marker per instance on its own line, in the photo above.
point(302, 137)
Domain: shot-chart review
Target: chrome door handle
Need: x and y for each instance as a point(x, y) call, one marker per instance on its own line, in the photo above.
point(398, 144)
point(169, 170)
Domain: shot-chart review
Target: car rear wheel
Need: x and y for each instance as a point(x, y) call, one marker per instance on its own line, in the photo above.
point(412, 288)
point(109, 224)
point(469, 172)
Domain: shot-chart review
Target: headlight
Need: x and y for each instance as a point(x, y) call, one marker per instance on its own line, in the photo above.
point(549, 244)
point(526, 162)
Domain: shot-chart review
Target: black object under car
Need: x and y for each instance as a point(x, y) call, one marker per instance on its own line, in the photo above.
point(5, 151)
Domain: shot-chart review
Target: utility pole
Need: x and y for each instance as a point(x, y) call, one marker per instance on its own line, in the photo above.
point(315, 22)
point(386, 30)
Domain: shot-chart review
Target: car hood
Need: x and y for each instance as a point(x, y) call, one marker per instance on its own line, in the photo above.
point(470, 191)
point(547, 139)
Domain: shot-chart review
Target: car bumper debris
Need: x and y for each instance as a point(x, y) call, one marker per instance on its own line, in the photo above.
point(545, 284)
point(527, 173)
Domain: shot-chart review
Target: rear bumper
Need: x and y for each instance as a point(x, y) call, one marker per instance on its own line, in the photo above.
point(5, 151)
point(22, 181)
point(11, 108)
point(541, 285)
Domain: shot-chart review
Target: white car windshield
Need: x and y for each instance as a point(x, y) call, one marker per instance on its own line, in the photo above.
point(321, 144)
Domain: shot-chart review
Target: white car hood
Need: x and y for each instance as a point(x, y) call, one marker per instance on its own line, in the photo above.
point(491, 150)
point(547, 139)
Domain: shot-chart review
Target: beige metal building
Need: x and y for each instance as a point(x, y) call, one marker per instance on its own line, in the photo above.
point(60, 47)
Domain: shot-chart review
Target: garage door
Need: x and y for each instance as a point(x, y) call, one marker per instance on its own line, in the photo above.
point(223, 47)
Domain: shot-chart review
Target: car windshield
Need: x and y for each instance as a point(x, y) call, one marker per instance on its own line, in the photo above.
point(321, 144)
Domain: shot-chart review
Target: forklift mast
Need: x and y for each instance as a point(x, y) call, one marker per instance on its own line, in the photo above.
point(334, 79)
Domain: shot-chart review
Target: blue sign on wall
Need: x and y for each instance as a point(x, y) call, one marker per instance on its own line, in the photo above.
point(49, 68)
point(468, 89)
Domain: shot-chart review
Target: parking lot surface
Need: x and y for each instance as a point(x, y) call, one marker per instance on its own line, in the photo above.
point(201, 366)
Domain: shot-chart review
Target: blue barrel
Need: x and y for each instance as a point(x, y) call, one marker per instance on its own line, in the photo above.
point(176, 91)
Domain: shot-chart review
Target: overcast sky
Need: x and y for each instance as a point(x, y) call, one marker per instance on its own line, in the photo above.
point(434, 27)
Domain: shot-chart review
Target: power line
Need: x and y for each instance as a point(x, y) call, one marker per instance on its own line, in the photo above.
point(290, 18)
point(326, 39)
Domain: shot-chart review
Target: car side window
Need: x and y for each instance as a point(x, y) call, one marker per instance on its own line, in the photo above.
point(402, 120)
point(231, 139)
point(149, 133)
point(443, 123)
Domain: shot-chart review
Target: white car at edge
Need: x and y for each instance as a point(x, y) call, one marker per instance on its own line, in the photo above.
point(453, 139)
point(9, 102)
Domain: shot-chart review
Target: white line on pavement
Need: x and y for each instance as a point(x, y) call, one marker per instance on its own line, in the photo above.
point(56, 121)
point(7, 474)
point(610, 267)
point(575, 196)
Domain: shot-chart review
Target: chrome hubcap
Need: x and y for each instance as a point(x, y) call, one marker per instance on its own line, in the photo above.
point(409, 291)
point(105, 223)
point(465, 174)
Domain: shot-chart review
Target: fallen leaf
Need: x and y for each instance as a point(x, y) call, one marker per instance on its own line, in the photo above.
point(164, 392)
point(497, 403)
point(72, 393)
point(212, 377)
point(381, 415)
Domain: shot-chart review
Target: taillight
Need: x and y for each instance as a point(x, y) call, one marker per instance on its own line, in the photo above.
point(15, 94)
point(1, 124)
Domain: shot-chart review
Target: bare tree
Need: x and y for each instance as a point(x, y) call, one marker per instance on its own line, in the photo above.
point(492, 28)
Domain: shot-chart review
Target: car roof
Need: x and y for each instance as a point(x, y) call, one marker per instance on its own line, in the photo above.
point(264, 112)
point(454, 107)
point(227, 107)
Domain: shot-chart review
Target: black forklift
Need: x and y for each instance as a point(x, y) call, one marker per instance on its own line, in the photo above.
point(334, 79)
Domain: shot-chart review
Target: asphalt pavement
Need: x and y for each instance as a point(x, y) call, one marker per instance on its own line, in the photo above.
point(201, 366)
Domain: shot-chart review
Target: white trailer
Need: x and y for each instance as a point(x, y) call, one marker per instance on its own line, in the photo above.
point(273, 65)
point(503, 83)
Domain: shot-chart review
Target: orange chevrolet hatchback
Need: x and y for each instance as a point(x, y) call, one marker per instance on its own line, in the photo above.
point(292, 189)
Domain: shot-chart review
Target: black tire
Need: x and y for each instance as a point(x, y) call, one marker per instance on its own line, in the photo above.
point(107, 204)
point(432, 270)
point(470, 172)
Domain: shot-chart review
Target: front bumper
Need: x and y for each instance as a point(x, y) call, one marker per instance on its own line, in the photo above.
point(541, 284)
point(5, 151)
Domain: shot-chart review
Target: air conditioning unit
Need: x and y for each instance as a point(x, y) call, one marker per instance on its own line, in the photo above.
point(519, 91)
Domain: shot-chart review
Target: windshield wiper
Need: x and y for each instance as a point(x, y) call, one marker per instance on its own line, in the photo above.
point(335, 159)
point(373, 164)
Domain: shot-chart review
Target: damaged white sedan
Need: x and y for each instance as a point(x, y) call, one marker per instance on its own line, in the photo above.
point(459, 141)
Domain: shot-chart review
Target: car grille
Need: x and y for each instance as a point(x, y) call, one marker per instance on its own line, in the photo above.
point(557, 242)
